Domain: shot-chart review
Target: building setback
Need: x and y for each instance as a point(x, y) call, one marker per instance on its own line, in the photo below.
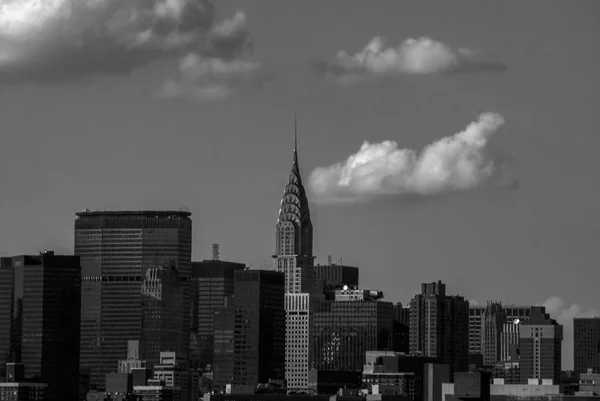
point(586, 344)
point(116, 250)
point(212, 283)
point(44, 319)
point(540, 339)
point(259, 327)
point(439, 326)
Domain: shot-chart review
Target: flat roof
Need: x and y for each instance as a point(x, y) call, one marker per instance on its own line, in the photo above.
point(133, 213)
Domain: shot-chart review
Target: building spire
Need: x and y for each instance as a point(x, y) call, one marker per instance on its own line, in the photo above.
point(295, 139)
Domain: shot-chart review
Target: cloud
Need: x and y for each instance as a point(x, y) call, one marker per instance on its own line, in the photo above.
point(206, 79)
point(454, 163)
point(226, 67)
point(564, 314)
point(65, 38)
point(420, 56)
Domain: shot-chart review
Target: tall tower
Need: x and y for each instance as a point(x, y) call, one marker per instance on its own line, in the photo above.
point(294, 233)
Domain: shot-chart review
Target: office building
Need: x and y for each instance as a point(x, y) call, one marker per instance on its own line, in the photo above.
point(586, 344)
point(223, 349)
point(476, 314)
point(116, 250)
point(492, 322)
point(439, 326)
point(18, 388)
point(41, 311)
point(401, 339)
point(162, 321)
point(357, 321)
point(509, 340)
point(172, 370)
point(540, 347)
point(335, 276)
point(212, 282)
point(259, 323)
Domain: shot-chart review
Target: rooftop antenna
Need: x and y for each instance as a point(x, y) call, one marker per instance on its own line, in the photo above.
point(215, 253)
point(295, 139)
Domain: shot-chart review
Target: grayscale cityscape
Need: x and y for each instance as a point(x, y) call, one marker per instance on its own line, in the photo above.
point(264, 200)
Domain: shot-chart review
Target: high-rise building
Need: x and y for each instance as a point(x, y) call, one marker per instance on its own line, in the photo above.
point(44, 319)
point(223, 351)
point(294, 235)
point(509, 340)
point(294, 257)
point(586, 344)
point(476, 314)
point(335, 276)
point(212, 282)
point(346, 328)
point(540, 347)
point(401, 341)
point(492, 323)
point(116, 250)
point(439, 326)
point(259, 327)
point(162, 321)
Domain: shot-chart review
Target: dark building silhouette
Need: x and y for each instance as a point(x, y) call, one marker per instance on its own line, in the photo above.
point(540, 347)
point(335, 276)
point(162, 321)
point(439, 326)
point(223, 351)
point(401, 339)
point(586, 344)
point(44, 319)
point(116, 250)
point(294, 235)
point(259, 327)
point(345, 329)
point(212, 282)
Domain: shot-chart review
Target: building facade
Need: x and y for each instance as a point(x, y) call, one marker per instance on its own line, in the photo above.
point(224, 328)
point(336, 276)
point(509, 340)
point(439, 326)
point(44, 319)
point(116, 250)
point(346, 328)
point(212, 283)
point(586, 344)
point(162, 321)
point(540, 339)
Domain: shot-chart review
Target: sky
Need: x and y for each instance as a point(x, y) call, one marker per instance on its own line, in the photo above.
point(452, 141)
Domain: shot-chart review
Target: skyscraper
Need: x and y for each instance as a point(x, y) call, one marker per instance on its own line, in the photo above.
point(116, 250)
point(346, 328)
point(586, 344)
point(294, 235)
point(44, 294)
point(212, 282)
point(162, 321)
point(439, 326)
point(492, 324)
point(540, 346)
point(294, 257)
point(259, 322)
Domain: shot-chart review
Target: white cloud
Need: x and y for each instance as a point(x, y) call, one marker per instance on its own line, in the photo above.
point(420, 56)
point(454, 163)
point(206, 79)
point(564, 314)
point(70, 37)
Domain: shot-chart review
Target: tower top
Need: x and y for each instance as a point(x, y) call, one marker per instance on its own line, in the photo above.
point(295, 139)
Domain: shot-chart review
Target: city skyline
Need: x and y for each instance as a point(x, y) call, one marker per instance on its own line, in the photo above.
point(529, 238)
